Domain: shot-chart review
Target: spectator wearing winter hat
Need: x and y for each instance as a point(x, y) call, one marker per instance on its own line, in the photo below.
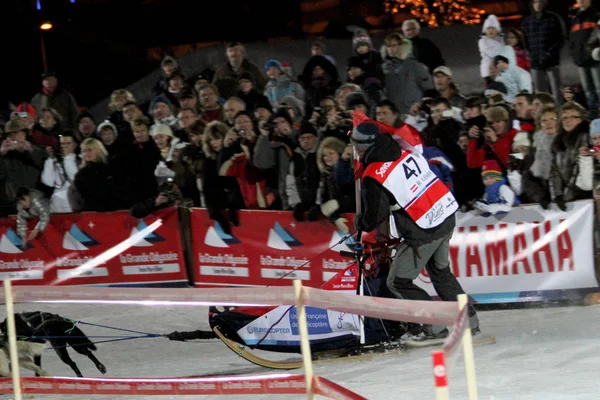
point(248, 92)
point(161, 110)
point(364, 53)
point(212, 110)
point(442, 80)
point(21, 164)
point(168, 66)
point(521, 146)
point(54, 96)
point(498, 197)
point(280, 84)
point(320, 79)
point(490, 45)
point(358, 102)
point(226, 77)
point(188, 98)
point(303, 177)
point(424, 50)
point(86, 126)
point(405, 78)
point(263, 110)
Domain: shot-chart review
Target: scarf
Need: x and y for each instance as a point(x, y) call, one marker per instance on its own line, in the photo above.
point(543, 155)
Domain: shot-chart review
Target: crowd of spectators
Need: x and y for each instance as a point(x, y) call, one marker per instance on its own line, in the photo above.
point(256, 137)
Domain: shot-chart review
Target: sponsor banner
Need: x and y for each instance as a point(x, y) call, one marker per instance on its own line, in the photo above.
point(71, 240)
point(279, 327)
point(267, 248)
point(519, 255)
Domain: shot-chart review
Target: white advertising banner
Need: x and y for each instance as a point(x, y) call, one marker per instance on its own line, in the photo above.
point(499, 257)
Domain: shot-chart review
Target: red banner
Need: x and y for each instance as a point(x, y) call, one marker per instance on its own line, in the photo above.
point(71, 240)
point(268, 248)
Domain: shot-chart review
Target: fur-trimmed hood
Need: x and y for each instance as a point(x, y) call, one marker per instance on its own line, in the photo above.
point(405, 50)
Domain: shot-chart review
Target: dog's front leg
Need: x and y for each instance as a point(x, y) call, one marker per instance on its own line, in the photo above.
point(63, 354)
point(37, 360)
point(97, 362)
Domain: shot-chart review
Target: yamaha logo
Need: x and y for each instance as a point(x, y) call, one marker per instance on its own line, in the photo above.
point(381, 171)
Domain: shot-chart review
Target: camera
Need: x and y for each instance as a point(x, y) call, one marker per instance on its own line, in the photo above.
point(241, 133)
point(58, 153)
point(168, 189)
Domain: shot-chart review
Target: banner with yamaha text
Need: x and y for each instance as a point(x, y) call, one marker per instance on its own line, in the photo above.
point(267, 248)
point(71, 240)
point(528, 254)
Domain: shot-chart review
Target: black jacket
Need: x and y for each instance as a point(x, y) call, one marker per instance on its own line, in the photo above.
point(544, 36)
point(377, 201)
point(426, 52)
point(582, 28)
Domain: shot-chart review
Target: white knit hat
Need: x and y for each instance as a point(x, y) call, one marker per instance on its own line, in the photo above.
point(521, 139)
point(161, 129)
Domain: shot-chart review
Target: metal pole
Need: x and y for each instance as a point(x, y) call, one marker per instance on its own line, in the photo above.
point(12, 341)
point(44, 60)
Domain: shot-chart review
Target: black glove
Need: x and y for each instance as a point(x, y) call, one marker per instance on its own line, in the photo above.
point(314, 213)
point(560, 202)
point(299, 211)
point(545, 203)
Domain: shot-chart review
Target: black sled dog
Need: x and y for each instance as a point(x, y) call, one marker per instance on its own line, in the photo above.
point(42, 327)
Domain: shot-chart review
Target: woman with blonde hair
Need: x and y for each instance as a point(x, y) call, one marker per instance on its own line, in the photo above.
point(118, 99)
point(94, 181)
point(496, 143)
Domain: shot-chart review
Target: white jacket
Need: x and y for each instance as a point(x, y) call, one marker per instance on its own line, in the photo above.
point(53, 175)
point(515, 78)
point(489, 47)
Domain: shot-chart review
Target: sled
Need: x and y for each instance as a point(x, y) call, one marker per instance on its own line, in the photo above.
point(362, 354)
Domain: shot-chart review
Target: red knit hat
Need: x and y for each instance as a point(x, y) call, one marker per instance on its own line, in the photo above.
point(491, 168)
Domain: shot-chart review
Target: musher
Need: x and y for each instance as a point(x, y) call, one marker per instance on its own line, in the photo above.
point(397, 180)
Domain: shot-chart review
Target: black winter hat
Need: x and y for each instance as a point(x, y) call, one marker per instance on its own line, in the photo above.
point(356, 99)
point(307, 128)
point(282, 113)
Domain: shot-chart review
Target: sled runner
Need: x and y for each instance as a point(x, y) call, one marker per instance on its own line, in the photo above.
point(478, 340)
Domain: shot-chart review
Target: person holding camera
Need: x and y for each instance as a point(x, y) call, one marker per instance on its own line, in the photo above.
point(21, 164)
point(273, 150)
point(59, 172)
point(31, 204)
point(497, 139)
point(169, 195)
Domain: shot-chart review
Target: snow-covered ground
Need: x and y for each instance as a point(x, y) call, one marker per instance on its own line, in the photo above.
point(549, 354)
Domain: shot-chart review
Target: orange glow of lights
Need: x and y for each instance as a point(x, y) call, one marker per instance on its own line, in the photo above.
point(46, 26)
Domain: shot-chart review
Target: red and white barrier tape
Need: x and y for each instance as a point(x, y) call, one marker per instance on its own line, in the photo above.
point(426, 312)
point(454, 339)
point(236, 385)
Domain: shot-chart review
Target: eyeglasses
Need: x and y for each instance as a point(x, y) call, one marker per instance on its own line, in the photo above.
point(544, 121)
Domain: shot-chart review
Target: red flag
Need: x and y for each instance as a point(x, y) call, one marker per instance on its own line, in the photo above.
point(405, 133)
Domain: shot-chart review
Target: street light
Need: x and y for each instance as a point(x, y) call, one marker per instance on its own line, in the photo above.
point(46, 26)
